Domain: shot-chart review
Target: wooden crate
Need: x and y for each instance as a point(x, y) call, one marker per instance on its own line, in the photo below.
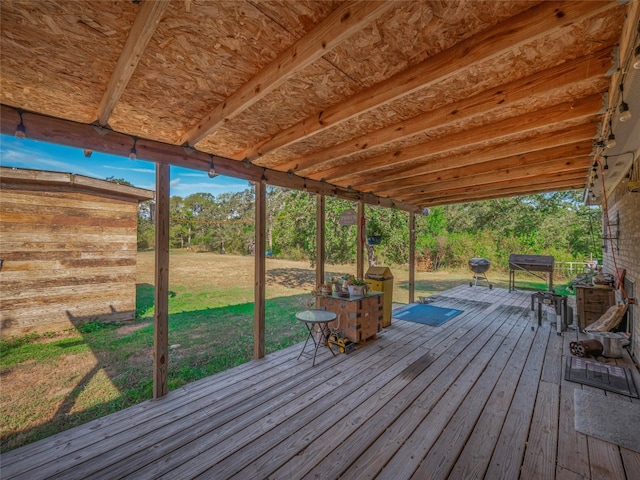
point(592, 302)
point(360, 319)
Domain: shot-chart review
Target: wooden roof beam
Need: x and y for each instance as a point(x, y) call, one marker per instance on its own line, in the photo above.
point(569, 136)
point(80, 135)
point(431, 185)
point(522, 185)
point(548, 186)
point(341, 24)
point(569, 111)
point(573, 150)
point(590, 67)
point(505, 194)
point(540, 20)
point(144, 26)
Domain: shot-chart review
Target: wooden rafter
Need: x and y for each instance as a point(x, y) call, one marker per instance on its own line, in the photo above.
point(336, 28)
point(545, 186)
point(505, 194)
point(540, 20)
point(570, 136)
point(573, 150)
point(564, 112)
point(147, 20)
point(570, 177)
point(507, 175)
point(533, 180)
point(583, 69)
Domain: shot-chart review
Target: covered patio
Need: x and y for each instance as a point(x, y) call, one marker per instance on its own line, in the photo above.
point(482, 396)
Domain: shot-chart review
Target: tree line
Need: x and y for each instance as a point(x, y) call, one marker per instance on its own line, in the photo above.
point(557, 224)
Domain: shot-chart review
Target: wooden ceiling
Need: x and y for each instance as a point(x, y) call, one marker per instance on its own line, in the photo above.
point(404, 103)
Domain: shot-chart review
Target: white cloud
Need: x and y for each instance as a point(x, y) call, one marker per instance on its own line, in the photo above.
point(23, 156)
point(138, 170)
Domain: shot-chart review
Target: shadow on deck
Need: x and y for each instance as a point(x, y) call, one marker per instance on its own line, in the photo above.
point(482, 396)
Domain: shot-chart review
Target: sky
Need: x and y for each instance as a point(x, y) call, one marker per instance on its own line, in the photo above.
point(25, 153)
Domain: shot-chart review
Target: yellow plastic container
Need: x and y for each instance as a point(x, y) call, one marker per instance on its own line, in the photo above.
point(380, 279)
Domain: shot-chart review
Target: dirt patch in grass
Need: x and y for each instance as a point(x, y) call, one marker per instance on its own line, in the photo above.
point(204, 270)
point(127, 329)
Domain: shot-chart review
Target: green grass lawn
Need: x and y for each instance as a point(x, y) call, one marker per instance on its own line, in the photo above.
point(204, 339)
point(55, 381)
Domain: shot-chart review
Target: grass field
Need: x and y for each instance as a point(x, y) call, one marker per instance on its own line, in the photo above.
point(56, 381)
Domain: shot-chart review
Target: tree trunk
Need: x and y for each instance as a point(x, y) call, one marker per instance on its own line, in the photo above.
point(371, 255)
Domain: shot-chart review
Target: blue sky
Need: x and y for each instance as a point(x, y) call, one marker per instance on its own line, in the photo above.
point(25, 153)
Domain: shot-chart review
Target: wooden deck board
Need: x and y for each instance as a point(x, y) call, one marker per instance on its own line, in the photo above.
point(343, 419)
point(507, 456)
point(573, 452)
point(435, 406)
point(440, 457)
point(474, 458)
point(389, 427)
point(482, 396)
point(541, 448)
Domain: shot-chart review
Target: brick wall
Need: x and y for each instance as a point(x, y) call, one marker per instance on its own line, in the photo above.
point(625, 205)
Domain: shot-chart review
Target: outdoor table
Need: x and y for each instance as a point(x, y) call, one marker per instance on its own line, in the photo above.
point(322, 318)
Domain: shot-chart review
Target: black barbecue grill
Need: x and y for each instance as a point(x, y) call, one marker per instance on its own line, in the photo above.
point(479, 267)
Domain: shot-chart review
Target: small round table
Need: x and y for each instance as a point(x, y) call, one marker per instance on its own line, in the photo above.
point(322, 318)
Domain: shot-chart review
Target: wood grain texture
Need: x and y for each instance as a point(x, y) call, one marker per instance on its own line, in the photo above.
point(259, 270)
point(525, 148)
point(69, 251)
point(147, 20)
point(320, 239)
point(558, 114)
point(161, 293)
point(518, 30)
point(540, 455)
point(483, 103)
point(336, 28)
point(573, 452)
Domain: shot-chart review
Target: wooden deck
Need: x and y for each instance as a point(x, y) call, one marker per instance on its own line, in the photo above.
point(482, 396)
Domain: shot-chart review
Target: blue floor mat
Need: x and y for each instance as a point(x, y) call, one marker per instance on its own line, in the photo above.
point(426, 314)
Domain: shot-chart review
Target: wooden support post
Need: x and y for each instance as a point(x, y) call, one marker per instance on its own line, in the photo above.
point(412, 257)
point(320, 240)
point(260, 271)
point(161, 317)
point(361, 239)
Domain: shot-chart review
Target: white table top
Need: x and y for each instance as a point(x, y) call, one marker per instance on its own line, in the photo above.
point(316, 316)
